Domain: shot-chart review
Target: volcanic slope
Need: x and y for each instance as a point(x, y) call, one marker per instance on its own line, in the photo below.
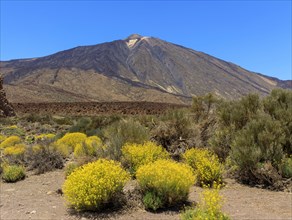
point(133, 69)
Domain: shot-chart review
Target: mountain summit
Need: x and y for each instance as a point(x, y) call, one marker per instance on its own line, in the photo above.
point(137, 68)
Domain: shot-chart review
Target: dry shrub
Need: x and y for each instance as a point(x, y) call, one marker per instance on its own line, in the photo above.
point(44, 159)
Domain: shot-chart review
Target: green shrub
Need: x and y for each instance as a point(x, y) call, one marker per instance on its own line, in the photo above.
point(152, 201)
point(69, 168)
point(13, 130)
point(279, 106)
point(202, 106)
point(206, 165)
point(140, 154)
point(220, 142)
point(286, 167)
point(95, 185)
point(164, 183)
point(122, 132)
point(260, 141)
point(13, 173)
point(175, 131)
point(208, 209)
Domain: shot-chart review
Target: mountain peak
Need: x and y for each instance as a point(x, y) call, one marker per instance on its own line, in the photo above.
point(134, 36)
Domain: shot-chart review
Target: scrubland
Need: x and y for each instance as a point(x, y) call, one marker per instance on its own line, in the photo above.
point(183, 162)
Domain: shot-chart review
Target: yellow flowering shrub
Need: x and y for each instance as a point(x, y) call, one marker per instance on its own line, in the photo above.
point(12, 127)
point(36, 148)
point(88, 147)
point(140, 154)
point(78, 143)
point(71, 139)
point(15, 150)
point(45, 137)
point(205, 164)
point(95, 184)
point(164, 183)
point(10, 141)
point(209, 208)
point(93, 140)
point(13, 173)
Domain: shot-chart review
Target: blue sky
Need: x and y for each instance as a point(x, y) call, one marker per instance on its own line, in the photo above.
point(253, 34)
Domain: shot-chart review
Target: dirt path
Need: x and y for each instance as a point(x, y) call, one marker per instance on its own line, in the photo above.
point(36, 198)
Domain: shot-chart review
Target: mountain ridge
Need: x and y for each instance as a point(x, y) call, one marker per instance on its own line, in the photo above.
point(137, 68)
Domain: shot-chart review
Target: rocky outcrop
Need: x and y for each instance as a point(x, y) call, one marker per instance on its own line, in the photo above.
point(6, 109)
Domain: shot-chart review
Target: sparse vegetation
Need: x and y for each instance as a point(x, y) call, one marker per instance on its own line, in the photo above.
point(250, 137)
point(208, 208)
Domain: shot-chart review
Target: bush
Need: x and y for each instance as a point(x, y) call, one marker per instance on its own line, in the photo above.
point(121, 132)
point(13, 173)
point(69, 168)
point(45, 137)
point(43, 159)
point(10, 141)
point(206, 165)
point(152, 201)
point(286, 167)
point(140, 154)
point(260, 141)
point(70, 140)
point(176, 131)
point(164, 183)
point(80, 144)
point(208, 208)
point(94, 185)
point(221, 141)
point(90, 147)
point(16, 150)
point(13, 130)
point(279, 106)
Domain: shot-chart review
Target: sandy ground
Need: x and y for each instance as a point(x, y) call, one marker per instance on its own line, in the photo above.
point(36, 197)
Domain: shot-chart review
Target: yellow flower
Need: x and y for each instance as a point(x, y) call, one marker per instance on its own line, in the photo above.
point(206, 165)
point(10, 141)
point(140, 154)
point(168, 179)
point(93, 185)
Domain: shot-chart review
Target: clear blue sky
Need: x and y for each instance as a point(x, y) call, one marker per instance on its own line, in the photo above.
point(253, 34)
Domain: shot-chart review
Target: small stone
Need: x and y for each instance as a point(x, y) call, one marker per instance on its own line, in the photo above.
point(50, 192)
point(33, 212)
point(54, 207)
point(10, 190)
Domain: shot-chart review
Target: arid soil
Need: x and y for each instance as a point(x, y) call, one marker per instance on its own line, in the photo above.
point(93, 108)
point(37, 197)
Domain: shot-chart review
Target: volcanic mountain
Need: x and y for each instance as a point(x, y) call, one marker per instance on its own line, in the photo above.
point(133, 69)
